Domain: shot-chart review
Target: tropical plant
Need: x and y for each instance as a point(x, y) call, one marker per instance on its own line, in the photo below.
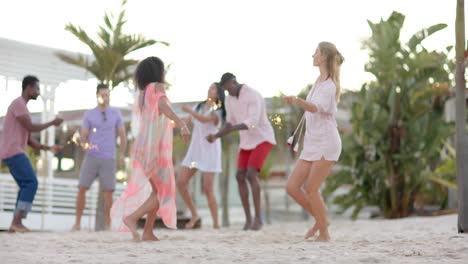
point(110, 64)
point(398, 128)
point(446, 173)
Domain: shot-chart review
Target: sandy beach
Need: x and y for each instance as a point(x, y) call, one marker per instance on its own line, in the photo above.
point(412, 240)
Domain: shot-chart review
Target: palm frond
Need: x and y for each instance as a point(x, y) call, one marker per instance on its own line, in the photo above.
point(110, 50)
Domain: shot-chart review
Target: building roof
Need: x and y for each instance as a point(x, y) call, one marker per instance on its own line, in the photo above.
point(18, 59)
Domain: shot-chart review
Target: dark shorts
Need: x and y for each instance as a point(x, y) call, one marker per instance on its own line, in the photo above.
point(254, 158)
point(93, 167)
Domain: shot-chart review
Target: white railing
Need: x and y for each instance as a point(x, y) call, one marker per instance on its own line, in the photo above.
point(54, 204)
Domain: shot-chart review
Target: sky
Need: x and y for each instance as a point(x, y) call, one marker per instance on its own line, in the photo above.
point(267, 44)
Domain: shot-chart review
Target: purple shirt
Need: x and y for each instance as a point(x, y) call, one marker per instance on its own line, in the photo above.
point(102, 126)
point(14, 137)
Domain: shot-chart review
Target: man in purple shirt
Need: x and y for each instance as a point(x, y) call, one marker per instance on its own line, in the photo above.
point(17, 130)
point(99, 131)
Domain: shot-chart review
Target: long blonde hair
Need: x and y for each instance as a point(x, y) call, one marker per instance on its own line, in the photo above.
point(334, 59)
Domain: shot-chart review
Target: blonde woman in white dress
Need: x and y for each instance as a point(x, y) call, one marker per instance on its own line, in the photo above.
point(202, 155)
point(322, 143)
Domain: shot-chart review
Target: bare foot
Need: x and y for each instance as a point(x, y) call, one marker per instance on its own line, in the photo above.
point(18, 228)
point(247, 226)
point(75, 228)
point(311, 232)
point(323, 238)
point(257, 225)
point(132, 225)
point(193, 223)
point(108, 224)
point(149, 237)
point(216, 226)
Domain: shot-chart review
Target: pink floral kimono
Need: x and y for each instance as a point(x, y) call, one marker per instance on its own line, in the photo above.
point(151, 157)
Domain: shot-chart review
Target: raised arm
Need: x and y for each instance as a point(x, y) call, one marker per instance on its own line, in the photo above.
point(36, 145)
point(166, 110)
point(202, 118)
point(294, 100)
point(321, 103)
point(25, 121)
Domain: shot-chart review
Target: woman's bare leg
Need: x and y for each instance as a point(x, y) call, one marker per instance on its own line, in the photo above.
point(131, 221)
point(151, 215)
point(182, 184)
point(208, 189)
point(295, 190)
point(318, 173)
point(295, 183)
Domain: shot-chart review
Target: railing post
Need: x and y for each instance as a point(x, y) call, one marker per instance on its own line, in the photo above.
point(2, 193)
point(50, 195)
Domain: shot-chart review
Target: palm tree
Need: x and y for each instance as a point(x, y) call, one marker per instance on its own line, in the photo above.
point(111, 64)
point(461, 133)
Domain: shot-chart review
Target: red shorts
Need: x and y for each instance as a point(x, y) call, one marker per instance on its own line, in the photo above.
point(254, 158)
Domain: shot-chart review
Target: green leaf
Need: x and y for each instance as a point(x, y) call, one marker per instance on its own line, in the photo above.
point(421, 35)
point(444, 182)
point(110, 52)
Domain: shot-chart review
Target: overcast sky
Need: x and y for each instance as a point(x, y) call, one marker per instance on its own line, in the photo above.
point(267, 44)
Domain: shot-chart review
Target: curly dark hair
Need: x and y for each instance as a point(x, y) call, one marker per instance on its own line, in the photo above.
point(148, 71)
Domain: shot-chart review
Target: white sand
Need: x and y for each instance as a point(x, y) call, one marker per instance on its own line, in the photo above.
point(413, 240)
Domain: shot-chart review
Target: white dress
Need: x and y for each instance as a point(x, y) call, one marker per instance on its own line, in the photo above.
point(322, 139)
point(201, 154)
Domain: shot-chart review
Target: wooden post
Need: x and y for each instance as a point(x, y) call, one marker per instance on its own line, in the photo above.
point(461, 133)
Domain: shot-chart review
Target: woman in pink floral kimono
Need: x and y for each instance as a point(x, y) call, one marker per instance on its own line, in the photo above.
point(151, 188)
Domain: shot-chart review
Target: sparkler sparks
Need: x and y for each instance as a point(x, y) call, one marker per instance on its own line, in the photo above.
point(100, 100)
point(277, 121)
point(76, 139)
point(193, 164)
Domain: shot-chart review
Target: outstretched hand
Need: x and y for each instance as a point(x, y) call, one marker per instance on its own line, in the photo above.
point(185, 133)
point(57, 121)
point(211, 138)
point(186, 108)
point(55, 149)
point(289, 99)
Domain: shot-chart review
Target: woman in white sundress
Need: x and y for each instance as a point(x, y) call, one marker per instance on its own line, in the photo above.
point(202, 155)
point(322, 142)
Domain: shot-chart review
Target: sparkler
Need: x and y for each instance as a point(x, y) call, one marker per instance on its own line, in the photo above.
point(76, 139)
point(215, 106)
point(193, 164)
point(277, 121)
point(100, 100)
